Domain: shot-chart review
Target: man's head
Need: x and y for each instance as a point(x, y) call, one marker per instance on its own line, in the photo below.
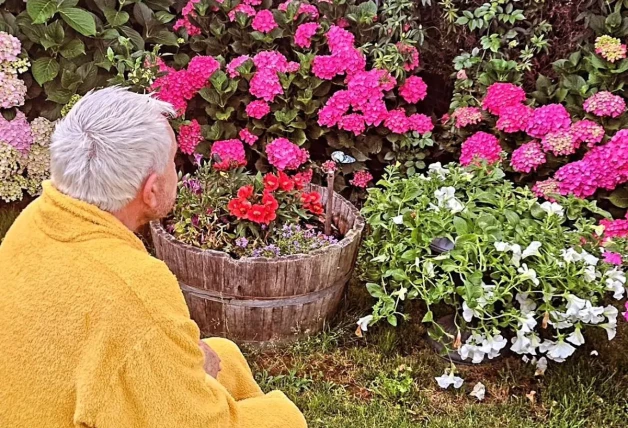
point(115, 149)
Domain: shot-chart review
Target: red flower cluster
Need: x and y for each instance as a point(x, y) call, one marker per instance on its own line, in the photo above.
point(312, 202)
point(261, 213)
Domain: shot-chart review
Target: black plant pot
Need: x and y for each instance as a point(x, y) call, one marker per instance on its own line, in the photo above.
point(441, 245)
point(448, 325)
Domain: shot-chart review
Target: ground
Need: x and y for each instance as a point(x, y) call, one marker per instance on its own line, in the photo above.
point(386, 379)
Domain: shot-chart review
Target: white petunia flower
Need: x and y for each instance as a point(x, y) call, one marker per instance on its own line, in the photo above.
point(559, 351)
point(502, 246)
point(527, 305)
point(428, 269)
point(574, 304)
point(576, 337)
point(541, 366)
point(364, 322)
point(611, 329)
point(398, 219)
point(446, 197)
point(529, 274)
point(479, 391)
point(589, 259)
point(590, 274)
point(401, 293)
point(516, 254)
point(591, 314)
point(553, 208)
point(615, 281)
point(454, 205)
point(444, 194)
point(468, 313)
point(527, 322)
point(611, 313)
point(570, 255)
point(448, 379)
point(560, 320)
point(437, 169)
point(531, 250)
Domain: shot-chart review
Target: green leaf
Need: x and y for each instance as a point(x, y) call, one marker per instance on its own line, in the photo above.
point(461, 226)
point(164, 37)
point(226, 114)
point(41, 11)
point(429, 317)
point(79, 19)
point(65, 4)
point(375, 290)
point(142, 14)
point(619, 198)
point(45, 70)
point(392, 320)
point(135, 37)
point(621, 67)
point(116, 18)
point(56, 93)
point(613, 20)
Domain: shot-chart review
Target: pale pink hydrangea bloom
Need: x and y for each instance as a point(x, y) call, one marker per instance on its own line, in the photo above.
point(12, 90)
point(264, 21)
point(548, 118)
point(610, 48)
point(501, 95)
point(560, 143)
point(16, 133)
point(413, 90)
point(361, 179)
point(545, 188)
point(284, 155)
point(10, 47)
point(228, 154)
point(605, 104)
point(481, 146)
point(466, 116)
point(528, 157)
point(514, 118)
point(189, 137)
point(257, 109)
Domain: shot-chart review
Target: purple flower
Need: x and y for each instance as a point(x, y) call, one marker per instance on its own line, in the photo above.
point(198, 157)
point(193, 185)
point(195, 220)
point(242, 242)
point(257, 253)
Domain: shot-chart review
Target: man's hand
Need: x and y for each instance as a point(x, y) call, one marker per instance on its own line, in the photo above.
point(212, 360)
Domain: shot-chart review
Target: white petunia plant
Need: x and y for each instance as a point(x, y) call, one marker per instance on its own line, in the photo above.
point(520, 274)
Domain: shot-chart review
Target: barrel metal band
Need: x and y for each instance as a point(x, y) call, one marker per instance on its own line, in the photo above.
point(269, 302)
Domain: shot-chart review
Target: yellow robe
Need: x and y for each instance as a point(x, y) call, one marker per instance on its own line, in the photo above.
point(94, 332)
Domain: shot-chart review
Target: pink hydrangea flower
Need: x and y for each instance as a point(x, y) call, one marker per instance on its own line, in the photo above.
point(375, 112)
point(264, 21)
point(284, 155)
point(514, 118)
point(250, 2)
point(265, 84)
point(587, 131)
point(342, 22)
point(241, 8)
point(410, 54)
point(421, 123)
point(337, 105)
point(605, 104)
point(501, 95)
point(344, 58)
point(352, 123)
point(548, 118)
point(543, 189)
point(613, 258)
point(466, 116)
point(271, 60)
point(397, 121)
point(189, 137)
point(308, 9)
point(560, 143)
point(413, 90)
point(232, 67)
point(528, 157)
point(228, 154)
point(12, 90)
point(16, 133)
point(247, 136)
point(329, 166)
point(257, 109)
point(184, 22)
point(480, 146)
point(305, 32)
point(361, 179)
point(200, 69)
point(615, 228)
point(10, 47)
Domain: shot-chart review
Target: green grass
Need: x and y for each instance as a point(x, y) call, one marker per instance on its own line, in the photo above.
point(7, 216)
point(386, 379)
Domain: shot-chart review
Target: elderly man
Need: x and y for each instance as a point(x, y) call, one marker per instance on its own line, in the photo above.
point(94, 332)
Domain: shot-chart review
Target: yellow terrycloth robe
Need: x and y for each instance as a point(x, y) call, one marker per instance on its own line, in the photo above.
point(94, 332)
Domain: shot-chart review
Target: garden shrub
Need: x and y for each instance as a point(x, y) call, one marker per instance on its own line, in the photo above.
point(518, 274)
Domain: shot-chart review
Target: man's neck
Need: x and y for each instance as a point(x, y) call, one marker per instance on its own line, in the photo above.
point(128, 217)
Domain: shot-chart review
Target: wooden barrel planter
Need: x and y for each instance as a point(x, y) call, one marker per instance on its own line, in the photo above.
point(262, 299)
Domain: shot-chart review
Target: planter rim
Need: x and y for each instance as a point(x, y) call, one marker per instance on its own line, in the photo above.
point(354, 233)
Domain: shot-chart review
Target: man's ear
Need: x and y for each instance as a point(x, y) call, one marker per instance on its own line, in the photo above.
point(150, 191)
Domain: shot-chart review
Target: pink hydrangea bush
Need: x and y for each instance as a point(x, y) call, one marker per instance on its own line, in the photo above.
point(605, 104)
point(528, 157)
point(480, 147)
point(284, 155)
point(228, 154)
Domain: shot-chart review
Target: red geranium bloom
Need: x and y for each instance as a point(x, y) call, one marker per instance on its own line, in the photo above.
point(316, 209)
point(271, 182)
point(239, 207)
point(302, 178)
point(312, 202)
point(261, 214)
point(245, 192)
point(269, 215)
point(269, 201)
point(285, 183)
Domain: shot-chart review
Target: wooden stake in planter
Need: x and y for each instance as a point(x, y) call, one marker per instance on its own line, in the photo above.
point(329, 212)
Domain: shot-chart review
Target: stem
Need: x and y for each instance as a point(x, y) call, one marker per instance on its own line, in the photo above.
point(330, 202)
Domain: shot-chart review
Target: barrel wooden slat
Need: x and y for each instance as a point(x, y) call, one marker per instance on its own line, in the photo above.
point(259, 299)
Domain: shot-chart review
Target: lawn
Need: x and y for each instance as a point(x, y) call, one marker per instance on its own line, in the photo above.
point(386, 379)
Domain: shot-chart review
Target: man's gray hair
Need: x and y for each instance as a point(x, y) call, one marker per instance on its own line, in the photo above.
point(108, 144)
